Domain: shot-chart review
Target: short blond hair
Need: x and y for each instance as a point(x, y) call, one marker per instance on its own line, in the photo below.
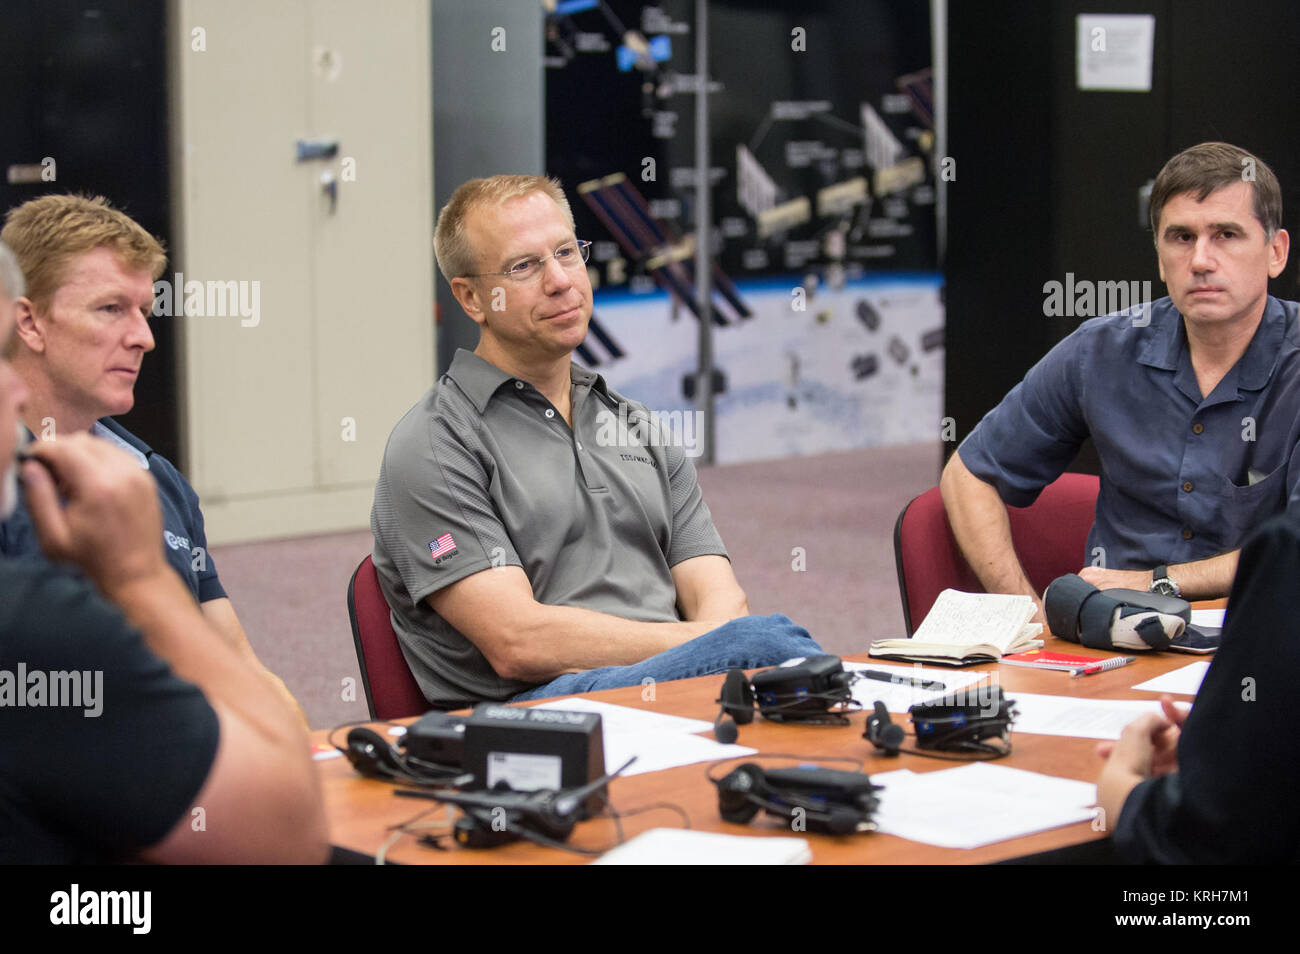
point(451, 243)
point(46, 233)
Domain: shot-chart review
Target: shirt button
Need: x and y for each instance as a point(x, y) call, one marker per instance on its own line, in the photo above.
point(579, 445)
point(1187, 534)
point(1198, 428)
point(1188, 486)
point(550, 413)
point(519, 386)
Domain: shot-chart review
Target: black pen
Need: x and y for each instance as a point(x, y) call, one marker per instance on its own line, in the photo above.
point(898, 680)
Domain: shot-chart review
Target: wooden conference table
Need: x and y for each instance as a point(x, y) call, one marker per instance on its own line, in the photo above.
point(361, 810)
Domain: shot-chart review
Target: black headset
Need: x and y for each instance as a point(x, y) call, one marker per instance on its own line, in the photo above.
point(783, 701)
point(945, 726)
point(375, 757)
point(833, 808)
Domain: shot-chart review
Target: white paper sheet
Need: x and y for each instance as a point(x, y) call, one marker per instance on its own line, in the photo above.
point(679, 846)
point(1114, 51)
point(900, 698)
point(1070, 716)
point(1186, 679)
point(627, 718)
point(978, 804)
point(1208, 617)
point(659, 741)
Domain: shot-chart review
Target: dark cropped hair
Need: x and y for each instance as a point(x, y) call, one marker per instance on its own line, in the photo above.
point(1212, 165)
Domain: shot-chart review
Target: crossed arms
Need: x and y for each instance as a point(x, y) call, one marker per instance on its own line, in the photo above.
point(535, 642)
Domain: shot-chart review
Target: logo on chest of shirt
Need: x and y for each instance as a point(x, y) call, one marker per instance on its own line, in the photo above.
point(175, 542)
point(639, 458)
point(443, 549)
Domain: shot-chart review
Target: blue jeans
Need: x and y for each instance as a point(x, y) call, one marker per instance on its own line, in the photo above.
point(745, 643)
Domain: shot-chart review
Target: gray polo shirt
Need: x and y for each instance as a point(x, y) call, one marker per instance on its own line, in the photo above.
point(485, 472)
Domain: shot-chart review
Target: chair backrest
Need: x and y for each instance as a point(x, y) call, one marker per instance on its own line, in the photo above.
point(1050, 537)
point(391, 690)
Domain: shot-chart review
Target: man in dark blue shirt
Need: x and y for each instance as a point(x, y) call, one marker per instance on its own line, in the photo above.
point(1216, 784)
point(81, 334)
point(129, 730)
point(1193, 401)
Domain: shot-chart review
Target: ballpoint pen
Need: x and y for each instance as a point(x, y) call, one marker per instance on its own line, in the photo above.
point(1114, 663)
point(899, 680)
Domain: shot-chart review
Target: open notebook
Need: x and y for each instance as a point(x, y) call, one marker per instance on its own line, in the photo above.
point(966, 628)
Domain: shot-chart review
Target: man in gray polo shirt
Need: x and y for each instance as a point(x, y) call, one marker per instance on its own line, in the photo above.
point(534, 535)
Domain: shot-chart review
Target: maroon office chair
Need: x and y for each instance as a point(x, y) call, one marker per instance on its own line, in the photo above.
point(391, 690)
point(1050, 537)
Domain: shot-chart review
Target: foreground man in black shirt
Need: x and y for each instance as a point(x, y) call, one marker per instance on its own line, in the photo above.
point(1217, 785)
point(128, 729)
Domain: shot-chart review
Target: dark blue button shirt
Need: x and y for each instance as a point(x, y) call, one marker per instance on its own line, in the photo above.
point(1183, 477)
point(184, 542)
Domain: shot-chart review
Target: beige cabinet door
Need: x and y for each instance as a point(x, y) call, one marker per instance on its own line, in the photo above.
point(290, 397)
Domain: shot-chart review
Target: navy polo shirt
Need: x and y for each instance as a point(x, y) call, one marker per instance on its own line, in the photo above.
point(184, 542)
point(1183, 477)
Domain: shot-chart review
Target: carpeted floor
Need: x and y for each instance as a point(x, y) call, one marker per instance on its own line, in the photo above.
point(810, 537)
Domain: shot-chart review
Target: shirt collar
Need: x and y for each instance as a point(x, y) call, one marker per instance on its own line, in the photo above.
point(1166, 345)
point(1166, 341)
point(113, 432)
point(480, 379)
point(109, 430)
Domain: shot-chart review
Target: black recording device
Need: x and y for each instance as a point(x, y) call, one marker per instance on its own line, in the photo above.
point(960, 721)
point(533, 749)
point(827, 801)
point(500, 816)
point(812, 689)
point(437, 737)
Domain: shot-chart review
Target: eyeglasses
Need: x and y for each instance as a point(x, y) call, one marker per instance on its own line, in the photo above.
point(570, 255)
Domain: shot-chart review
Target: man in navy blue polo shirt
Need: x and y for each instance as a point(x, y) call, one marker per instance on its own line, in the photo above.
point(129, 730)
point(1193, 402)
point(81, 333)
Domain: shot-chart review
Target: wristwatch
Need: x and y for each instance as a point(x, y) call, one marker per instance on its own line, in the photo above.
point(1162, 584)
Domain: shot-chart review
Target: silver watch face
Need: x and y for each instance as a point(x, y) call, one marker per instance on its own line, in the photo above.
point(1165, 587)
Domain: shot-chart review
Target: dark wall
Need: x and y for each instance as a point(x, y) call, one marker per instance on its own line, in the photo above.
point(1000, 122)
point(86, 84)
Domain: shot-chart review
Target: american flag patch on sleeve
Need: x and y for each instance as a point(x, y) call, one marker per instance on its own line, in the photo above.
point(443, 546)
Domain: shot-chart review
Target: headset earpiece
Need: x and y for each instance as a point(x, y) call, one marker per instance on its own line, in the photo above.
point(882, 731)
point(738, 697)
point(735, 791)
point(372, 755)
point(737, 701)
